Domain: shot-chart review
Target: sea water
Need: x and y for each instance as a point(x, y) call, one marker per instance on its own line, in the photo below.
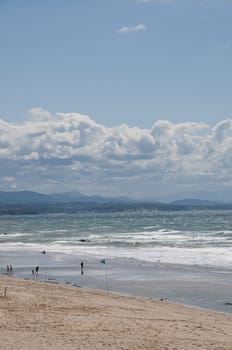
point(199, 237)
point(184, 256)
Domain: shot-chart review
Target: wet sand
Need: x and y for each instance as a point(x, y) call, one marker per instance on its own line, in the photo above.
point(205, 287)
point(46, 316)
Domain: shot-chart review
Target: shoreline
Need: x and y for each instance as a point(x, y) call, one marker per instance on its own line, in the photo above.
point(39, 315)
point(199, 286)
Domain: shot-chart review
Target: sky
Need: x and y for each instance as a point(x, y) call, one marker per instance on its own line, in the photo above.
point(116, 97)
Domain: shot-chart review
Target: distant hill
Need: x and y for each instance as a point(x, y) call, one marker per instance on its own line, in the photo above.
point(27, 197)
point(31, 203)
point(76, 196)
point(195, 202)
point(223, 196)
point(23, 197)
point(30, 197)
point(67, 197)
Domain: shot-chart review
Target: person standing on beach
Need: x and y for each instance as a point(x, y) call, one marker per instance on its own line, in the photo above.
point(82, 268)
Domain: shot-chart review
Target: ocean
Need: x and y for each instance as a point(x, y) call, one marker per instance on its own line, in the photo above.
point(201, 237)
point(182, 256)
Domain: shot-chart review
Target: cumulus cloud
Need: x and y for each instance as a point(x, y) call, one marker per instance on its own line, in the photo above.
point(65, 151)
point(132, 29)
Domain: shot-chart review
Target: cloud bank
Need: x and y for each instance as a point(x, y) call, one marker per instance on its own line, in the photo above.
point(68, 151)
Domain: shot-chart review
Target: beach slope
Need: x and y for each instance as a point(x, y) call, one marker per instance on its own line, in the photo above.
point(38, 315)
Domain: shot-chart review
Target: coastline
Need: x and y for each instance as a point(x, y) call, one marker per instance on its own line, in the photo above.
point(41, 315)
point(198, 286)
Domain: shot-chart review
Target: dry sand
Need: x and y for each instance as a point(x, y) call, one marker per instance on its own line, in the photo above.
point(38, 315)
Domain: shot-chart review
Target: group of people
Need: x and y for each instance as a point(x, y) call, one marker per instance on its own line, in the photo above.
point(9, 270)
point(35, 271)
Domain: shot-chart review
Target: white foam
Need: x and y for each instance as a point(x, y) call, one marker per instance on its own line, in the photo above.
point(183, 256)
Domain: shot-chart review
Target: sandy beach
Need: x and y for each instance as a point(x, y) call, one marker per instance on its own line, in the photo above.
point(40, 315)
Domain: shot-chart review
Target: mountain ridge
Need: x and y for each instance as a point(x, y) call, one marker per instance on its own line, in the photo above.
point(32, 203)
point(26, 196)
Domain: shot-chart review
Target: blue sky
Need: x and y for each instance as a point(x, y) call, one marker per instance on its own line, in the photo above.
point(131, 62)
point(67, 56)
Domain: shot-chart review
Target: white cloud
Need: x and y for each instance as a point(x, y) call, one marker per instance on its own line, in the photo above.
point(162, 2)
point(39, 114)
point(8, 178)
point(64, 151)
point(144, 1)
point(132, 29)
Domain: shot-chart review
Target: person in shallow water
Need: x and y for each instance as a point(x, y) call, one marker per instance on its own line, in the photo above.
point(37, 270)
point(82, 268)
